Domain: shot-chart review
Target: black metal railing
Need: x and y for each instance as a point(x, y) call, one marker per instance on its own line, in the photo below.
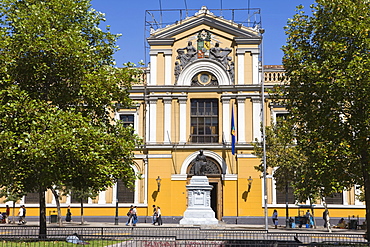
point(174, 236)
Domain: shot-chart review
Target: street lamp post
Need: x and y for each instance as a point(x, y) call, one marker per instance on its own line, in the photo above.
point(116, 217)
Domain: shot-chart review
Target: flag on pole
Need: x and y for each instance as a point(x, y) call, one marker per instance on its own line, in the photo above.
point(232, 132)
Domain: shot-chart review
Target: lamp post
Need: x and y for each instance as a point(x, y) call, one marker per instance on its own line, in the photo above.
point(250, 181)
point(158, 183)
point(116, 217)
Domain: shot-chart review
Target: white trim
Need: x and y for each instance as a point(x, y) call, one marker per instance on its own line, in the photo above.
point(230, 177)
point(102, 199)
point(249, 156)
point(167, 69)
point(153, 70)
point(127, 112)
point(200, 65)
point(256, 109)
point(241, 120)
point(159, 156)
point(179, 177)
point(226, 119)
point(275, 112)
point(240, 57)
point(152, 121)
point(183, 117)
point(255, 68)
point(167, 120)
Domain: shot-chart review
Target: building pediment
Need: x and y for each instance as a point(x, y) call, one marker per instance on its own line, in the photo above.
point(204, 20)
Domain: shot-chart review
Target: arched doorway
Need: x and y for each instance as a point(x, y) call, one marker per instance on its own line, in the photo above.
point(213, 172)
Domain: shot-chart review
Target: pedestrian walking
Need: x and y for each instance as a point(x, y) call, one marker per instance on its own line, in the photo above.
point(154, 218)
point(22, 215)
point(69, 214)
point(159, 216)
point(130, 215)
point(275, 218)
point(7, 211)
point(134, 216)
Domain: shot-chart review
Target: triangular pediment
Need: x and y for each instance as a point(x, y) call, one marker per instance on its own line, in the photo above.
point(206, 20)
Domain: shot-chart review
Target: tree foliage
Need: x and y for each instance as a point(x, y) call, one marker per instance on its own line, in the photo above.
point(327, 59)
point(58, 93)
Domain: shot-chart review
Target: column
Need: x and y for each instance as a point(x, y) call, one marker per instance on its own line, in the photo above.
point(241, 120)
point(255, 68)
point(167, 120)
point(167, 68)
point(257, 117)
point(102, 197)
point(152, 121)
point(153, 68)
point(226, 119)
point(183, 115)
point(240, 55)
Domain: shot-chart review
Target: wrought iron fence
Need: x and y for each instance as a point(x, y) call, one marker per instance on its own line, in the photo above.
point(172, 236)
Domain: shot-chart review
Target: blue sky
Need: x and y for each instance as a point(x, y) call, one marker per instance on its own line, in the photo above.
point(128, 17)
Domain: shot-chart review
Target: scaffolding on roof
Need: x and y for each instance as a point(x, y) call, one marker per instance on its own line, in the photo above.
point(158, 19)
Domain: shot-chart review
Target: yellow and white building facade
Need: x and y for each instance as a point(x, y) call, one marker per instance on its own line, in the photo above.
point(203, 72)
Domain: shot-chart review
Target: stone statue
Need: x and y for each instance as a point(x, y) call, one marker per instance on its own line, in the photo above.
point(187, 57)
point(220, 54)
point(177, 71)
point(231, 71)
point(200, 163)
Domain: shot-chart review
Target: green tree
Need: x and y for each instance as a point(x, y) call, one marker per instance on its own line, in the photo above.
point(327, 60)
point(58, 91)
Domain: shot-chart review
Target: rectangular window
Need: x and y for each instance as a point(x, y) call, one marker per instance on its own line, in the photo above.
point(336, 198)
point(127, 119)
point(125, 195)
point(33, 198)
point(204, 121)
point(281, 196)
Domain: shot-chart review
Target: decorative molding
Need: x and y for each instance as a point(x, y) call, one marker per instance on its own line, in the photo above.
point(200, 65)
point(241, 51)
point(179, 177)
point(157, 51)
point(159, 156)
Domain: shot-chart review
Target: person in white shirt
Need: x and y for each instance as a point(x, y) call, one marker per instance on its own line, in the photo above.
point(159, 216)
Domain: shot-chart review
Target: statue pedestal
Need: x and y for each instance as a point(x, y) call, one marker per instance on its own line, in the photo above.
point(199, 211)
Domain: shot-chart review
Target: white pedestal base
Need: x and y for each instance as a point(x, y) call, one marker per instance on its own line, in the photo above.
point(199, 211)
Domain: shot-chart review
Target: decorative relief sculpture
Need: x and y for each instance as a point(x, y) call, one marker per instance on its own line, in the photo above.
point(189, 54)
point(187, 57)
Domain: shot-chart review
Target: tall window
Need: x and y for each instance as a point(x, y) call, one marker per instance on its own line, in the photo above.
point(336, 198)
point(33, 198)
point(125, 195)
point(281, 196)
point(204, 121)
point(127, 119)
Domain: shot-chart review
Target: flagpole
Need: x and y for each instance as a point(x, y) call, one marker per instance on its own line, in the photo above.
point(263, 135)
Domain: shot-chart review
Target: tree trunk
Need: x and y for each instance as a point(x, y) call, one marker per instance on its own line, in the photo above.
point(82, 212)
point(57, 201)
point(13, 212)
point(42, 229)
point(286, 207)
point(328, 226)
point(366, 177)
